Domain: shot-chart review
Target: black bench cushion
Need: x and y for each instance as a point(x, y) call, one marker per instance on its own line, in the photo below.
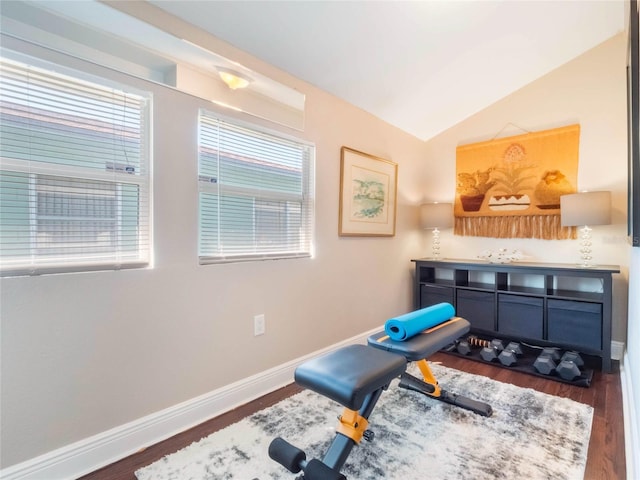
point(424, 344)
point(349, 374)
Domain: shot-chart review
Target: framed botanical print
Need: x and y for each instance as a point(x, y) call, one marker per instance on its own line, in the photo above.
point(368, 189)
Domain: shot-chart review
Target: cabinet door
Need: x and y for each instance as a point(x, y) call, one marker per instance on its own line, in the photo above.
point(575, 323)
point(433, 294)
point(476, 307)
point(521, 316)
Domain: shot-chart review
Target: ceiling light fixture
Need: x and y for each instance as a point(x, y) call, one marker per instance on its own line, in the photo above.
point(233, 78)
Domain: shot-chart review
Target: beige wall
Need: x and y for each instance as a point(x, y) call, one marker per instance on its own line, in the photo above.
point(83, 353)
point(88, 352)
point(591, 91)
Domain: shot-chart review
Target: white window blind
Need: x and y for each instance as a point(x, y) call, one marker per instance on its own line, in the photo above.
point(74, 173)
point(256, 193)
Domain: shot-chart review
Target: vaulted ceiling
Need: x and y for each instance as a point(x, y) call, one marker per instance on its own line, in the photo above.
point(422, 66)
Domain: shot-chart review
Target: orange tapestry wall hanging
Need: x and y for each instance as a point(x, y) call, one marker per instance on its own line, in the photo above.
point(511, 187)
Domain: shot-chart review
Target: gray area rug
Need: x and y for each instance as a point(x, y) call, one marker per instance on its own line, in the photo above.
point(531, 435)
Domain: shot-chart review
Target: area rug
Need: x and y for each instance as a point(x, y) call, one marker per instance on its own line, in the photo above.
point(530, 435)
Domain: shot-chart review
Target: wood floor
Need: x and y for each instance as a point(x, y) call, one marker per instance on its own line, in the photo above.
point(606, 460)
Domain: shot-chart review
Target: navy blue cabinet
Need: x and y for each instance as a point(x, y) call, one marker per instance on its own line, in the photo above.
point(432, 294)
point(476, 306)
point(520, 316)
point(550, 304)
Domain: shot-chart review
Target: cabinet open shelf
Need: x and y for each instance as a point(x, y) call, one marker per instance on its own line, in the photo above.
point(572, 294)
point(547, 304)
point(517, 289)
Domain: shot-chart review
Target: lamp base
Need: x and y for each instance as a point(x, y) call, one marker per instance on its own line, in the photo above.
point(435, 244)
point(585, 247)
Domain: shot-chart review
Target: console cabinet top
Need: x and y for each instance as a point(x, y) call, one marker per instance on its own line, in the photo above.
point(565, 268)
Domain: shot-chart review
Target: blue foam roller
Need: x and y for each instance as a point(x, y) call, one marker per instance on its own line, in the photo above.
point(410, 324)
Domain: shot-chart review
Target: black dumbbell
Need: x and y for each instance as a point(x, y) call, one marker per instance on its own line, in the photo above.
point(552, 352)
point(509, 356)
point(514, 347)
point(488, 354)
point(568, 370)
point(497, 344)
point(574, 357)
point(463, 347)
point(544, 363)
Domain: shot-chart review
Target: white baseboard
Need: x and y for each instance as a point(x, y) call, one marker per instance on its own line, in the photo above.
point(617, 350)
point(95, 452)
point(631, 419)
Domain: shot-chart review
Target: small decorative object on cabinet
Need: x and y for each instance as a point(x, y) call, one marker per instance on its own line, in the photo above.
point(543, 303)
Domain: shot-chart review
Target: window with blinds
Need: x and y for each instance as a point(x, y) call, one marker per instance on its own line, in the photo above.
point(256, 193)
point(74, 173)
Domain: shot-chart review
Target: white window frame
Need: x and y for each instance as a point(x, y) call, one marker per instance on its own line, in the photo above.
point(114, 258)
point(216, 187)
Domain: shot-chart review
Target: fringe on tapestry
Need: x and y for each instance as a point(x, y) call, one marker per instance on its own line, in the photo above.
point(547, 227)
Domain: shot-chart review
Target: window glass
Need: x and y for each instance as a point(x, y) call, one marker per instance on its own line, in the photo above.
point(74, 176)
point(256, 195)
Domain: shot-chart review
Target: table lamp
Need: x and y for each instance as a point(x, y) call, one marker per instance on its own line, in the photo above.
point(585, 208)
point(436, 215)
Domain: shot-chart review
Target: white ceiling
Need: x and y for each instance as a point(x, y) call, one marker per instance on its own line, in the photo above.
point(422, 66)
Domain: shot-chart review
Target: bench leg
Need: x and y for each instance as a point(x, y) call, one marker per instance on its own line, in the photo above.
point(429, 378)
point(350, 431)
point(429, 386)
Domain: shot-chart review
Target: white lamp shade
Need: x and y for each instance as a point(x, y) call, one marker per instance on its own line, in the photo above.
point(585, 208)
point(436, 215)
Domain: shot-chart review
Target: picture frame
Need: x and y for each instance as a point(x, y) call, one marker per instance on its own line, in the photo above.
point(633, 125)
point(368, 194)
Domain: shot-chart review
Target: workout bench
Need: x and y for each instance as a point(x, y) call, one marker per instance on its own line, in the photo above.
point(355, 376)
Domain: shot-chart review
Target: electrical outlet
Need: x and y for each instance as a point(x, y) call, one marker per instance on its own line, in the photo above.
point(259, 325)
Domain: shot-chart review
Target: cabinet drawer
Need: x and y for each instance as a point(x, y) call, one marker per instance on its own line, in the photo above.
point(433, 294)
point(477, 308)
point(575, 323)
point(521, 316)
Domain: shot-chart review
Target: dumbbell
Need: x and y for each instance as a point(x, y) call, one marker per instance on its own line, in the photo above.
point(489, 354)
point(509, 356)
point(497, 350)
point(463, 347)
point(574, 357)
point(569, 366)
point(568, 370)
point(545, 363)
point(554, 353)
point(514, 347)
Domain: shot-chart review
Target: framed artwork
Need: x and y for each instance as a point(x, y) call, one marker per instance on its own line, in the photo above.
point(368, 187)
point(510, 187)
point(633, 119)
